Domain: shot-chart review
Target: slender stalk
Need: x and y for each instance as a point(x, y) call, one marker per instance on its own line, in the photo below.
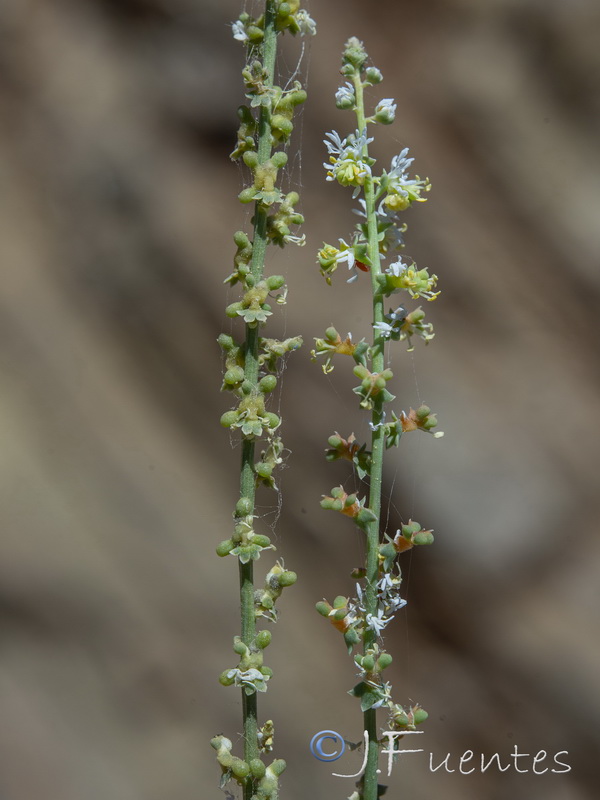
point(377, 451)
point(247, 477)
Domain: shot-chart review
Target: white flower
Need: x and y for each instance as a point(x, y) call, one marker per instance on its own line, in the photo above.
point(346, 254)
point(251, 679)
point(385, 111)
point(382, 423)
point(239, 31)
point(386, 330)
point(385, 693)
point(400, 164)
point(344, 97)
point(299, 240)
point(377, 623)
point(306, 23)
point(397, 268)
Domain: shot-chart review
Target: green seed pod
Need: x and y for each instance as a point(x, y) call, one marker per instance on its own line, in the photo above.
point(267, 601)
point(246, 387)
point(358, 659)
point(340, 613)
point(263, 639)
point(423, 411)
point(287, 578)
point(335, 442)
point(284, 10)
point(266, 671)
point(351, 637)
point(423, 537)
point(229, 418)
point(350, 500)
point(323, 608)
point(224, 680)
point(387, 550)
point(239, 648)
point(365, 516)
point(275, 282)
point(380, 382)
point(331, 334)
point(243, 507)
point(281, 123)
point(226, 342)
point(387, 374)
point(272, 419)
point(232, 309)
point(225, 548)
point(257, 768)
point(279, 159)
point(340, 601)
point(409, 530)
point(360, 371)
point(368, 663)
point(419, 715)
point(255, 35)
point(278, 766)
point(250, 158)
point(247, 195)
point(337, 505)
point(264, 470)
point(267, 384)
point(261, 540)
point(234, 375)
point(240, 237)
point(384, 661)
point(240, 768)
point(337, 491)
point(401, 719)
point(327, 503)
point(430, 422)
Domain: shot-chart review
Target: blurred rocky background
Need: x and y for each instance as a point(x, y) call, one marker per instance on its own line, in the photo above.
point(117, 208)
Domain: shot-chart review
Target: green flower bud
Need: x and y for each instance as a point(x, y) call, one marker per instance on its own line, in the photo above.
point(354, 53)
point(401, 719)
point(263, 639)
point(284, 10)
point(267, 671)
point(225, 548)
point(423, 411)
point(387, 550)
point(365, 516)
point(287, 578)
point(419, 715)
point(246, 387)
point(267, 384)
point(229, 418)
point(373, 76)
point(240, 237)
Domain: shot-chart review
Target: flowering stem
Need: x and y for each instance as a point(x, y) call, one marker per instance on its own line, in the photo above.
point(247, 476)
point(377, 448)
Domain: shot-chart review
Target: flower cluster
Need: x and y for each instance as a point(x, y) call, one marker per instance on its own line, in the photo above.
point(379, 235)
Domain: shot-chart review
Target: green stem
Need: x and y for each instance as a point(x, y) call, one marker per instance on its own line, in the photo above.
point(377, 450)
point(247, 478)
